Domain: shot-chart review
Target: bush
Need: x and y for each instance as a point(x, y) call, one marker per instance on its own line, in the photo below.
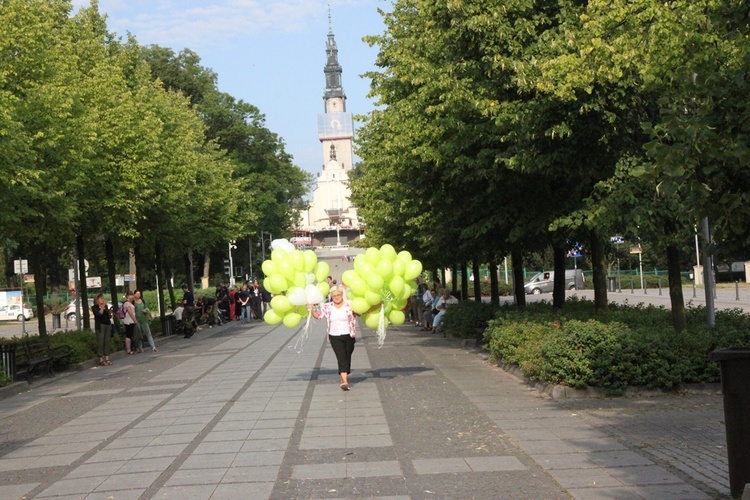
point(631, 345)
point(468, 319)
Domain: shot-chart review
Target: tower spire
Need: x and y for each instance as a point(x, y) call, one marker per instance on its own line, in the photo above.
point(332, 69)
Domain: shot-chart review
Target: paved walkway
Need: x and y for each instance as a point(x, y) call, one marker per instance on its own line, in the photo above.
point(235, 412)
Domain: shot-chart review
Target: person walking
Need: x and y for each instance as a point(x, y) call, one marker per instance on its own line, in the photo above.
point(188, 313)
point(103, 329)
point(142, 314)
point(341, 330)
point(129, 320)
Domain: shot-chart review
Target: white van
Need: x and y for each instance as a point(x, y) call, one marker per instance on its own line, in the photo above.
point(544, 282)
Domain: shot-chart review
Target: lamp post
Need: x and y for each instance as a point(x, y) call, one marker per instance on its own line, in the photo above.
point(231, 263)
point(263, 243)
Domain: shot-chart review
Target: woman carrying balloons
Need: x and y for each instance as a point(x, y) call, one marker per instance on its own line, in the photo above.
point(341, 330)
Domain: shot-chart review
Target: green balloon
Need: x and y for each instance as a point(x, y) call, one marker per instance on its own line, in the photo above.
point(280, 304)
point(396, 285)
point(360, 305)
point(404, 256)
point(388, 252)
point(372, 320)
point(372, 255)
point(375, 282)
point(269, 268)
point(310, 260)
point(384, 269)
point(397, 317)
point(297, 259)
point(373, 298)
point(292, 319)
point(278, 283)
point(358, 286)
point(399, 266)
point(322, 270)
point(413, 269)
point(271, 317)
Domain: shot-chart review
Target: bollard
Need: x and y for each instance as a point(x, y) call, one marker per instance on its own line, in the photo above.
point(631, 286)
point(659, 285)
point(737, 290)
point(735, 388)
point(694, 289)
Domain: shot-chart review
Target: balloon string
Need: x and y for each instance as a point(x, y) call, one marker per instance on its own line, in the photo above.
point(381, 327)
point(302, 337)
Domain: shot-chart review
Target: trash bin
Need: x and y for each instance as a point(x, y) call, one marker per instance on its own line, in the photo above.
point(167, 325)
point(735, 388)
point(8, 360)
point(56, 321)
point(611, 283)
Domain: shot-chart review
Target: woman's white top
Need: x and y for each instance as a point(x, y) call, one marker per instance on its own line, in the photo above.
point(339, 321)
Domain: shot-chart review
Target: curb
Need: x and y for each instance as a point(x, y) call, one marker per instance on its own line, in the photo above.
point(555, 391)
point(21, 386)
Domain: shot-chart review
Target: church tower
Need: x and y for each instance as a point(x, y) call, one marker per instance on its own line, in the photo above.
point(331, 219)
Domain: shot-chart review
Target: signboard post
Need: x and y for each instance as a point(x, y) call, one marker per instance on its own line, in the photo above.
point(21, 267)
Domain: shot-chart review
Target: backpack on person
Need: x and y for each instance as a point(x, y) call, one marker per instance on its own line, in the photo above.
point(121, 311)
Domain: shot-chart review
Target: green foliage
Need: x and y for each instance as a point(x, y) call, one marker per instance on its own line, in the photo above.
point(468, 319)
point(631, 345)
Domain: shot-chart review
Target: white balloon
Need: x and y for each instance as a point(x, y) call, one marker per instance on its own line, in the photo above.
point(297, 297)
point(283, 244)
point(310, 278)
point(314, 296)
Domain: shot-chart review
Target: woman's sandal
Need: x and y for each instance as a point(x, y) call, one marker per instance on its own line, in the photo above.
point(344, 387)
point(108, 363)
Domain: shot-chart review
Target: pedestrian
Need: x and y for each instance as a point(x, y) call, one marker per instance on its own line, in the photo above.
point(341, 330)
point(129, 320)
point(266, 299)
point(256, 295)
point(143, 317)
point(103, 329)
point(232, 304)
point(188, 313)
point(244, 299)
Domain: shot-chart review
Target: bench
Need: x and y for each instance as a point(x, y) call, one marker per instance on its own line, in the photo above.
point(38, 354)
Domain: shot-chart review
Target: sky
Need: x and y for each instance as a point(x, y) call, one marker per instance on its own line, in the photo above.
point(268, 53)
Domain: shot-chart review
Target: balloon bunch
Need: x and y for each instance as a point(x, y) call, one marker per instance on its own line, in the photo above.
point(293, 273)
point(381, 276)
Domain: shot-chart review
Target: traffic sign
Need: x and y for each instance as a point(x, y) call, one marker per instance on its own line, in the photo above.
point(21, 266)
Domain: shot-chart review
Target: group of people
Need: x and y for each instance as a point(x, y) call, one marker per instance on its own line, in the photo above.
point(134, 314)
point(427, 306)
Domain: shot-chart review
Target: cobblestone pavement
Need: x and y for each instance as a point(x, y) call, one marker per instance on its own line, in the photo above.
point(683, 433)
point(236, 412)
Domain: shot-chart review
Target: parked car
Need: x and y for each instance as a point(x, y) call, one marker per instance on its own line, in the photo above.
point(544, 282)
point(70, 310)
point(13, 311)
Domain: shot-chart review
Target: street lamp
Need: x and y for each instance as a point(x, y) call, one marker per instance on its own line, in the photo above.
point(231, 263)
point(263, 243)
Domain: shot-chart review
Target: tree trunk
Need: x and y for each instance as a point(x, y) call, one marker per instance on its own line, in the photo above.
point(454, 279)
point(206, 268)
point(170, 286)
point(675, 288)
point(109, 250)
point(80, 249)
point(189, 272)
point(159, 279)
point(558, 286)
point(494, 288)
point(477, 282)
point(464, 281)
point(40, 288)
point(600, 273)
point(140, 279)
point(519, 294)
